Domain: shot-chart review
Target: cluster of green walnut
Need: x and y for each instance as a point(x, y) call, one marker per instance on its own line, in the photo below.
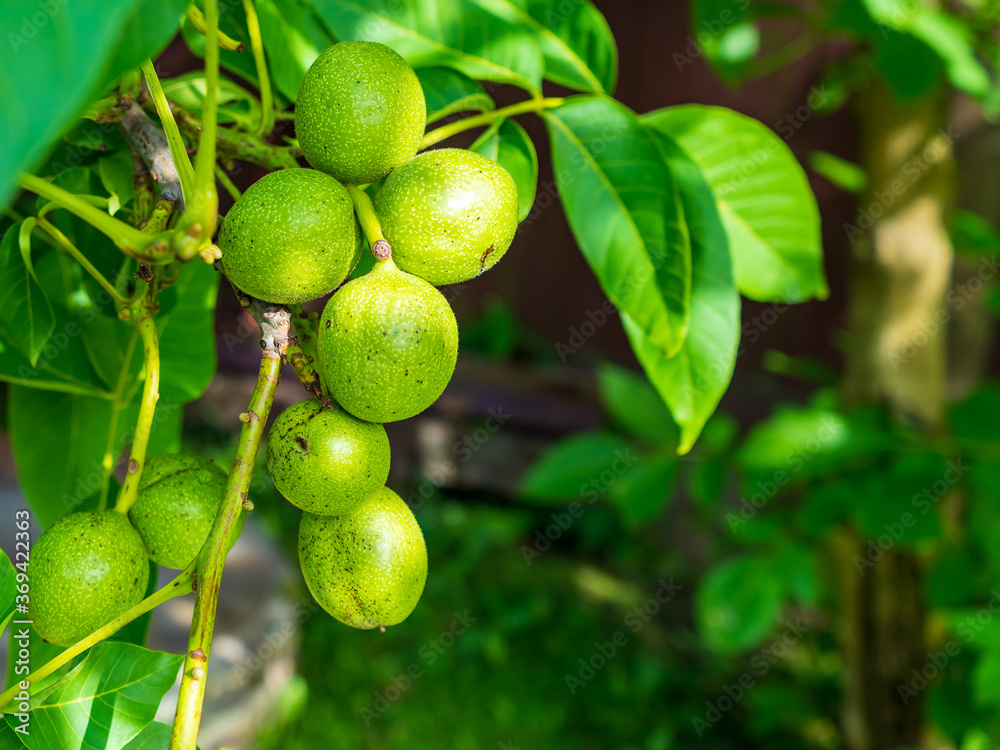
point(387, 347)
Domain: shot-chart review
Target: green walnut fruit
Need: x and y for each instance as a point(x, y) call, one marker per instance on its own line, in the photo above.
point(387, 345)
point(366, 568)
point(179, 496)
point(360, 112)
point(291, 237)
point(326, 461)
point(449, 214)
point(85, 571)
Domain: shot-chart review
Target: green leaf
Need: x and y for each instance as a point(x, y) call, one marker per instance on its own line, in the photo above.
point(635, 405)
point(51, 62)
point(972, 235)
point(577, 43)
point(293, 39)
point(911, 68)
point(795, 564)
point(233, 22)
point(9, 739)
point(953, 579)
point(151, 26)
point(58, 441)
point(107, 701)
point(767, 207)
point(842, 173)
point(570, 467)
point(644, 492)
point(8, 590)
point(797, 441)
point(115, 171)
point(236, 104)
point(62, 366)
point(727, 35)
point(187, 333)
point(155, 736)
point(945, 35)
point(899, 503)
point(692, 382)
point(830, 503)
point(625, 211)
point(25, 312)
point(448, 92)
point(738, 603)
point(986, 679)
point(511, 147)
point(465, 36)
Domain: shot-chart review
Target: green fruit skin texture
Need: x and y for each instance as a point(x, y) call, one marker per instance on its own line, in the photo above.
point(326, 461)
point(179, 496)
point(366, 568)
point(291, 237)
point(449, 214)
point(360, 112)
point(388, 343)
point(86, 570)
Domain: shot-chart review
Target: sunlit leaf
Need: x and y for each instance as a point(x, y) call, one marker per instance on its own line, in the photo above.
point(767, 207)
point(692, 381)
point(579, 48)
point(511, 147)
point(625, 212)
point(465, 36)
point(448, 92)
point(106, 702)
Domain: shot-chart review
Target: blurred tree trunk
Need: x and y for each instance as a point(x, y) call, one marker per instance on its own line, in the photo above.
point(900, 270)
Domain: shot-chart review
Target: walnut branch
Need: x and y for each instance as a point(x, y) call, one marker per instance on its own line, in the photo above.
point(150, 143)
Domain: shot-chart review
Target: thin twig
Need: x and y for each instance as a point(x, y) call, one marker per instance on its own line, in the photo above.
point(274, 323)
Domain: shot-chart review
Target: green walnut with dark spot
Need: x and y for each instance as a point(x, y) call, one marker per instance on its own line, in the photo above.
point(360, 112)
point(179, 496)
point(449, 214)
point(388, 342)
point(366, 568)
point(324, 460)
point(291, 237)
point(86, 570)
